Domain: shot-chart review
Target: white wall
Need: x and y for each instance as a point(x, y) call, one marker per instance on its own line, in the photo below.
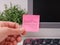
point(22, 3)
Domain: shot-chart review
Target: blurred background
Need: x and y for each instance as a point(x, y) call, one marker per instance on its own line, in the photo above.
point(22, 3)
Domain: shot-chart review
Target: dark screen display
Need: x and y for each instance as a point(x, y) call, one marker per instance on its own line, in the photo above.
point(49, 10)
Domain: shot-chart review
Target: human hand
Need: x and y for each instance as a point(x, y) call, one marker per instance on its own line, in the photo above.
point(11, 32)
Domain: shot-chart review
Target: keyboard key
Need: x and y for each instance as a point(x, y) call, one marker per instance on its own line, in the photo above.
point(27, 42)
point(48, 41)
point(56, 41)
point(40, 41)
point(35, 42)
point(51, 41)
point(59, 42)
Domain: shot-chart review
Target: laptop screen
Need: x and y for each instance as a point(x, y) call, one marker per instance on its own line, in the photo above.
point(48, 9)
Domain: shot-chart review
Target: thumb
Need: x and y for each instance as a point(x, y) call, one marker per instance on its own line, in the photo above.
point(12, 31)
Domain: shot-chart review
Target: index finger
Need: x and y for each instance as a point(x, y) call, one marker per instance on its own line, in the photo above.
point(10, 24)
point(13, 25)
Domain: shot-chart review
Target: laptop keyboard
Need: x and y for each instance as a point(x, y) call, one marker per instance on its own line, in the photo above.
point(41, 42)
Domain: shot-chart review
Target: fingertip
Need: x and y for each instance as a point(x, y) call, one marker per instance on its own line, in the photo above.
point(15, 43)
point(12, 39)
point(17, 25)
point(19, 39)
point(23, 32)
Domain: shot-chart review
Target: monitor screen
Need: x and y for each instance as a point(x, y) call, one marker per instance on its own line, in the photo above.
point(48, 9)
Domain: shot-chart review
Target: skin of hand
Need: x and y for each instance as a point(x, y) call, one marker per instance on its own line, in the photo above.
point(10, 33)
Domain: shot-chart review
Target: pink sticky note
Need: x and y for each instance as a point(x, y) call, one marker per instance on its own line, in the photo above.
point(31, 23)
